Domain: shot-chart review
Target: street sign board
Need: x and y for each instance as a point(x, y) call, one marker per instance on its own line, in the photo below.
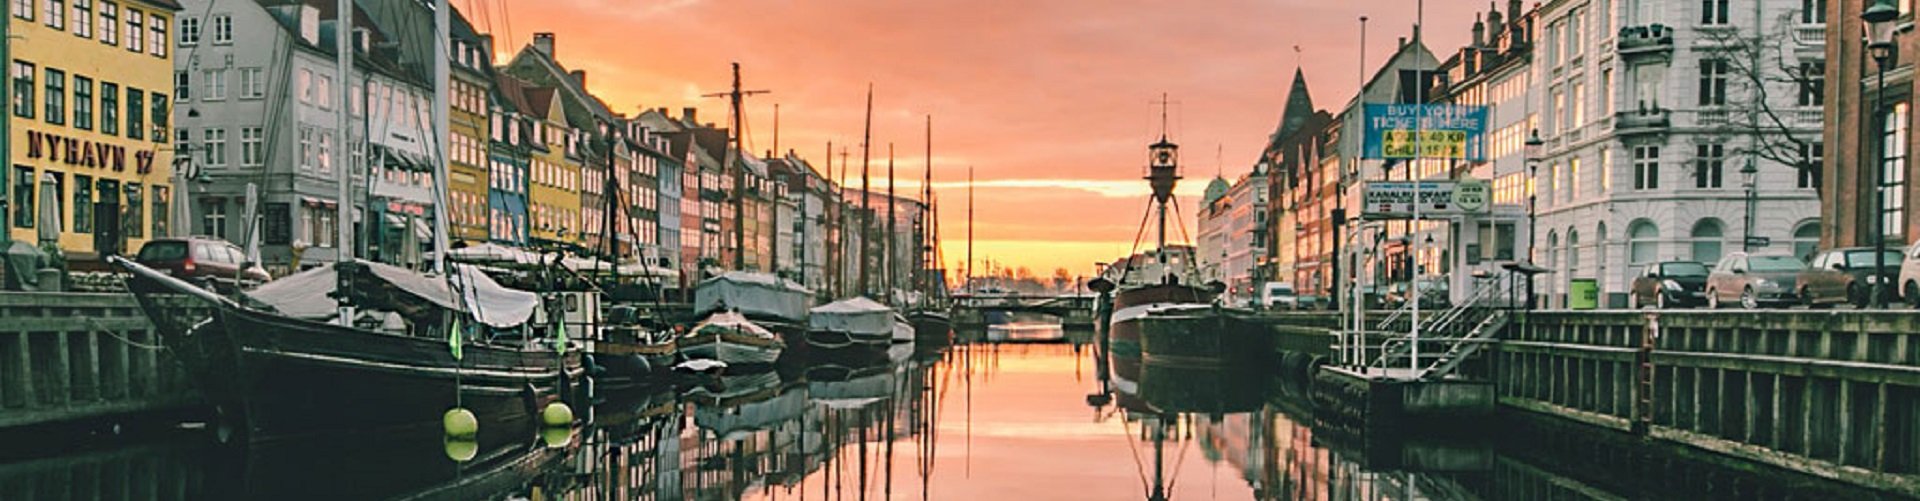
point(1395, 199)
point(1759, 241)
point(1408, 131)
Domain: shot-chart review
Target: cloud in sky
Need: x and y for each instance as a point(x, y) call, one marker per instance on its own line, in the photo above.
point(1049, 101)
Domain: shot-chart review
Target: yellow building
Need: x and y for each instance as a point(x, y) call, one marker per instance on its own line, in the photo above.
point(553, 188)
point(467, 121)
point(90, 131)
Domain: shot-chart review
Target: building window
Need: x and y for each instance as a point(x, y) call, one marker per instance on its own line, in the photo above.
point(1646, 167)
point(1814, 11)
point(135, 31)
point(56, 15)
point(1713, 82)
point(222, 28)
point(162, 202)
point(1606, 169)
point(23, 9)
point(1806, 239)
point(23, 103)
point(1643, 240)
point(109, 108)
point(83, 18)
point(323, 155)
point(157, 41)
point(252, 151)
point(1573, 178)
point(1578, 102)
point(136, 113)
point(82, 204)
point(323, 94)
point(1708, 163)
point(23, 212)
point(1713, 12)
point(1707, 236)
point(304, 84)
point(182, 85)
point(160, 116)
point(306, 147)
point(56, 97)
point(215, 145)
point(216, 82)
point(253, 83)
point(1893, 172)
point(189, 31)
point(1814, 154)
point(109, 23)
point(213, 219)
point(82, 103)
point(1812, 84)
point(132, 217)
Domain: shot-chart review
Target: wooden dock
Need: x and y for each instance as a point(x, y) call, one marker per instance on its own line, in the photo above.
point(68, 357)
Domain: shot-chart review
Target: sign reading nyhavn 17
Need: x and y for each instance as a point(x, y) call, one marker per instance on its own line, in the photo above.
point(84, 153)
point(1395, 200)
point(1407, 131)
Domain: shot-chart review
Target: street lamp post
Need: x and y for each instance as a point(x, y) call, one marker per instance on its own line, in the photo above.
point(1532, 153)
point(1751, 177)
point(1878, 21)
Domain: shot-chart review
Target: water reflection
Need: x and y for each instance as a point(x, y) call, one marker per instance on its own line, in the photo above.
point(969, 421)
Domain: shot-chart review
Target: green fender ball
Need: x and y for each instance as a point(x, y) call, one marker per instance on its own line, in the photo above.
point(459, 422)
point(557, 437)
point(557, 414)
point(461, 450)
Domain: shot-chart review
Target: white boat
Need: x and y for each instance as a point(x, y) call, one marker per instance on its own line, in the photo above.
point(729, 337)
point(758, 296)
point(857, 324)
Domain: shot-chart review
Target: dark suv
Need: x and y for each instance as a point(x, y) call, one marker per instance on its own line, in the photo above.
point(206, 261)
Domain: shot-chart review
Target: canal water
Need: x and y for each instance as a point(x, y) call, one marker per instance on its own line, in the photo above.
point(1046, 418)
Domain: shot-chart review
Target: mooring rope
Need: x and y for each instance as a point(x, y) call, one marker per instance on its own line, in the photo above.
point(94, 326)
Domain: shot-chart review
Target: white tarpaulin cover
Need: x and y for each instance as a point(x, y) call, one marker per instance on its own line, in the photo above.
point(857, 315)
point(756, 294)
point(308, 294)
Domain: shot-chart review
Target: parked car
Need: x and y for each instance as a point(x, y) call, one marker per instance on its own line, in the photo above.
point(212, 263)
point(1754, 280)
point(1910, 276)
point(1847, 275)
point(1278, 296)
point(1670, 284)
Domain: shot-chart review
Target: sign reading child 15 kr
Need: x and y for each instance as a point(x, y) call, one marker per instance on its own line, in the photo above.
point(1408, 131)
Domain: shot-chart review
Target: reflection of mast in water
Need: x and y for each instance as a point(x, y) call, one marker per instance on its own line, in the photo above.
point(1155, 427)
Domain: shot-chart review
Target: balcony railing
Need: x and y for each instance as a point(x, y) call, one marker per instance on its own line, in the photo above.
point(1641, 121)
point(1809, 117)
point(1810, 34)
point(1649, 40)
point(1712, 117)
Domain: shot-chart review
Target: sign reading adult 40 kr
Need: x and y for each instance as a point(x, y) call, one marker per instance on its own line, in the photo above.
point(1435, 199)
point(1409, 131)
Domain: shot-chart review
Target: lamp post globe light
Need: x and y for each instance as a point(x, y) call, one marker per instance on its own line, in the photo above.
point(1878, 23)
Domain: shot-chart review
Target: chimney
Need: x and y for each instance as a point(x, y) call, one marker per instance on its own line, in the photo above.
point(687, 114)
point(1479, 32)
point(1513, 9)
point(1403, 43)
point(580, 78)
point(362, 39)
point(1494, 25)
point(543, 42)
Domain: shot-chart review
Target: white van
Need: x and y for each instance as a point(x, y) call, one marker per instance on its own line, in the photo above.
point(1279, 295)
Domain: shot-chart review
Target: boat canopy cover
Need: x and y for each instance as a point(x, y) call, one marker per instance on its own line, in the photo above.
point(730, 321)
point(752, 294)
point(308, 294)
point(855, 315)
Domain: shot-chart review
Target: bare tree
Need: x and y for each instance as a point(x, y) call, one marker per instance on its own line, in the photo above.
point(1779, 76)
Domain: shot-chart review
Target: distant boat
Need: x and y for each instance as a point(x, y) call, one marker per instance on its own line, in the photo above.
point(273, 360)
point(729, 337)
point(856, 330)
point(774, 303)
point(931, 327)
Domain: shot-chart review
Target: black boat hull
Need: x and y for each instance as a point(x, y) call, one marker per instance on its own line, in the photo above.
point(270, 376)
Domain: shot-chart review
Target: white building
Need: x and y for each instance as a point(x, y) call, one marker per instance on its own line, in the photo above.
point(1648, 123)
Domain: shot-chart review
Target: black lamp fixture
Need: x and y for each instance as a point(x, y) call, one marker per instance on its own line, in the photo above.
point(1879, 28)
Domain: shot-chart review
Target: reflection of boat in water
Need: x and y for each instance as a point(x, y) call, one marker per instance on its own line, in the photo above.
point(274, 360)
point(407, 463)
point(1026, 332)
point(729, 337)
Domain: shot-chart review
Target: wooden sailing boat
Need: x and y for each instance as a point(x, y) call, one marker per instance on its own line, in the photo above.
point(932, 327)
point(356, 346)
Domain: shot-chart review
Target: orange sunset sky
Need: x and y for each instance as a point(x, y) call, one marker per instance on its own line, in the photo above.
point(1049, 100)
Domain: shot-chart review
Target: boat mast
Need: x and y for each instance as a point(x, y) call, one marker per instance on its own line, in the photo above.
point(343, 246)
point(969, 267)
point(441, 73)
point(866, 184)
point(1162, 174)
point(924, 270)
point(893, 227)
